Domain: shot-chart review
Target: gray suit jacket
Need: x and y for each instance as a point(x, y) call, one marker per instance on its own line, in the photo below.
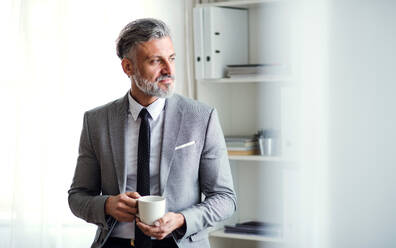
point(185, 173)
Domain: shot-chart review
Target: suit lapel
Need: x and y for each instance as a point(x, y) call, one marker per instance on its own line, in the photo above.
point(117, 123)
point(172, 121)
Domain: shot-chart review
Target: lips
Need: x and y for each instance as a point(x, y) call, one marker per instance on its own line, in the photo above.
point(166, 81)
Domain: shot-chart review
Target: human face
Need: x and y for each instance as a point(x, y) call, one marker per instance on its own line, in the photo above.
point(154, 68)
point(153, 89)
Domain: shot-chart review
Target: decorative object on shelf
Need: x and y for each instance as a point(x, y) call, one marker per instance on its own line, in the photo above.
point(255, 227)
point(267, 142)
point(241, 145)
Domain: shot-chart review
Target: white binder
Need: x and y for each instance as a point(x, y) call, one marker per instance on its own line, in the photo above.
point(225, 34)
point(198, 43)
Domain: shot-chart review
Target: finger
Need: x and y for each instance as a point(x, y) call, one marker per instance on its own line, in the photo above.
point(123, 207)
point(128, 201)
point(149, 230)
point(162, 236)
point(160, 230)
point(142, 225)
point(125, 217)
point(134, 195)
point(159, 222)
point(129, 209)
point(155, 230)
point(165, 219)
point(144, 229)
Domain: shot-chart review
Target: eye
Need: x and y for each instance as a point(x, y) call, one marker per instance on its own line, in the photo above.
point(155, 61)
point(172, 59)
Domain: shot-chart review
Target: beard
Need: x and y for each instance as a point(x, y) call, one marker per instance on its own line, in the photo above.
point(152, 88)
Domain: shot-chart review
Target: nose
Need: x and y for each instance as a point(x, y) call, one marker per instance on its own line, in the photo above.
point(167, 68)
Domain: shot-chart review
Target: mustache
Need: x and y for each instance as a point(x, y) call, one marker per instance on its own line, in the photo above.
point(163, 77)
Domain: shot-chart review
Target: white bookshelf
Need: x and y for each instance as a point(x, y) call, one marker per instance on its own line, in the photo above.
point(267, 161)
point(282, 80)
point(221, 234)
point(246, 104)
point(240, 4)
point(257, 158)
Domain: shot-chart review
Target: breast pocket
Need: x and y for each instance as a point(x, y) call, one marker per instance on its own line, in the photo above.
point(185, 145)
point(187, 153)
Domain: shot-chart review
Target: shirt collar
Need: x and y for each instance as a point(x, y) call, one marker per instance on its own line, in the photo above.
point(154, 109)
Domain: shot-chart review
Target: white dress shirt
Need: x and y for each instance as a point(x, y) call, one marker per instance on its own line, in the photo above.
point(156, 120)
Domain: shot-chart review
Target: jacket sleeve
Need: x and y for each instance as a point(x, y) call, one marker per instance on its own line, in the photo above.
point(85, 199)
point(215, 182)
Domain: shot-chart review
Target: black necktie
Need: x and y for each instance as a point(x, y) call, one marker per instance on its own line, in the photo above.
point(143, 172)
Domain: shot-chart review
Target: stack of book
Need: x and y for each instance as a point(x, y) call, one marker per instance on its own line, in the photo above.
point(241, 145)
point(255, 227)
point(251, 70)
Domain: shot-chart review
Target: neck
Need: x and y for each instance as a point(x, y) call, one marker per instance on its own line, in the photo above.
point(141, 97)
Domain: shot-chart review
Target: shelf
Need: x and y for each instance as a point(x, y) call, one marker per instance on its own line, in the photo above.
point(258, 79)
point(221, 234)
point(244, 4)
point(279, 162)
point(256, 158)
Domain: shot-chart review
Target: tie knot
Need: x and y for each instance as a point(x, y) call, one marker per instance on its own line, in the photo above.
point(144, 114)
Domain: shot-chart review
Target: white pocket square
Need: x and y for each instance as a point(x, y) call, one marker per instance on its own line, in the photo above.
point(185, 145)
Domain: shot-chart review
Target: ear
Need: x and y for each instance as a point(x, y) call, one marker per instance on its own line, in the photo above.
point(127, 66)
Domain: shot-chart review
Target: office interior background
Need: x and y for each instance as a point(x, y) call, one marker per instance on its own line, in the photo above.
point(58, 60)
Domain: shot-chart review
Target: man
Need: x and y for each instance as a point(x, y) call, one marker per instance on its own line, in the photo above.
point(151, 141)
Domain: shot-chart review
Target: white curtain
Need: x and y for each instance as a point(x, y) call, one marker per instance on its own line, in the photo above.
point(57, 61)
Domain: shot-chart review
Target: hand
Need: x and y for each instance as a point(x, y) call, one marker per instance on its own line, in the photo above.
point(122, 207)
point(162, 227)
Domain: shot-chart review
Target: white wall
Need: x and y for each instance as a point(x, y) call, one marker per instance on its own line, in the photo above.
point(345, 52)
point(362, 121)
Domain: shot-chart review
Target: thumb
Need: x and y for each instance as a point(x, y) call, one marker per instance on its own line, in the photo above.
point(166, 218)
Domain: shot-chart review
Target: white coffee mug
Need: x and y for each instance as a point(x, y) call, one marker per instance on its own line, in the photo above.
point(151, 208)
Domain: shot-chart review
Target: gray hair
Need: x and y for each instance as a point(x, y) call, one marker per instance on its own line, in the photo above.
point(139, 31)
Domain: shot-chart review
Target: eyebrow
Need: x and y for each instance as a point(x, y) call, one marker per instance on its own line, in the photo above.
point(157, 56)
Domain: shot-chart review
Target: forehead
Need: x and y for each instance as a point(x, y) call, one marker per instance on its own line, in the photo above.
point(155, 47)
